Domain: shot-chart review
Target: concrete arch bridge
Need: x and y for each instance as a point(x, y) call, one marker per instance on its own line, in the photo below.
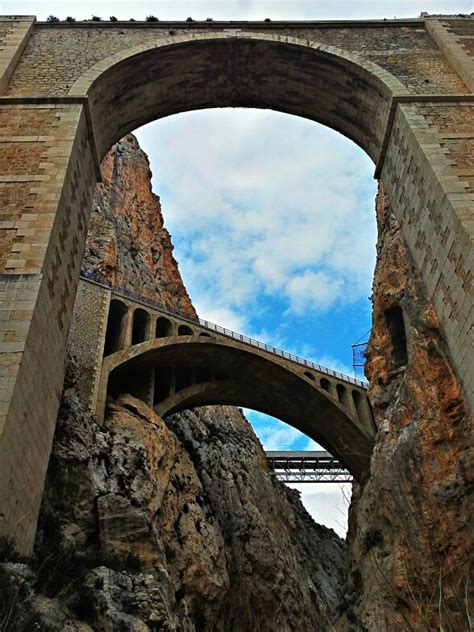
point(173, 363)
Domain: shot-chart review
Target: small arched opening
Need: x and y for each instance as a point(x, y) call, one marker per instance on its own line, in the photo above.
point(325, 384)
point(184, 330)
point(309, 375)
point(203, 334)
point(342, 395)
point(115, 333)
point(141, 326)
point(164, 328)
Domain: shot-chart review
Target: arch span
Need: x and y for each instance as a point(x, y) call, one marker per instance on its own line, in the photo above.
point(257, 70)
point(248, 377)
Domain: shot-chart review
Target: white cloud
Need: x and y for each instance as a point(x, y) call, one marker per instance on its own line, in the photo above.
point(264, 204)
point(312, 289)
point(274, 434)
point(333, 363)
point(221, 316)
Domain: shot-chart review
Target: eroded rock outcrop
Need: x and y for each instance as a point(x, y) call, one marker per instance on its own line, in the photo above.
point(411, 536)
point(177, 526)
point(127, 243)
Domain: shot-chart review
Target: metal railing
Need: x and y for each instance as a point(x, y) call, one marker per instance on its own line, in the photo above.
point(161, 306)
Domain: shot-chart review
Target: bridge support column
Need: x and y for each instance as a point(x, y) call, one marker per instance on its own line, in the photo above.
point(47, 176)
point(125, 335)
point(430, 184)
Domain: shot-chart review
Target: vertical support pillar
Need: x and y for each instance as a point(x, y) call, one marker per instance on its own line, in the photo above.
point(126, 329)
point(47, 176)
point(431, 188)
point(172, 381)
point(17, 31)
point(151, 392)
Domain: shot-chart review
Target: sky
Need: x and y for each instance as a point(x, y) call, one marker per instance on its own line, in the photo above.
point(272, 216)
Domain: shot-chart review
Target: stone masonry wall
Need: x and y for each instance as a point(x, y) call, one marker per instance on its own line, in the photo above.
point(435, 213)
point(408, 52)
point(86, 338)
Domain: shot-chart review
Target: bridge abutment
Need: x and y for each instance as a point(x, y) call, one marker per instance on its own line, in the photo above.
point(47, 177)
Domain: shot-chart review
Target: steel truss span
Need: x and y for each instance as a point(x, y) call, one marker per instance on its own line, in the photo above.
point(307, 467)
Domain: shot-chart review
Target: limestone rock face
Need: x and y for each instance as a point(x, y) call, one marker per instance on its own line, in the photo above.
point(178, 526)
point(410, 537)
point(127, 243)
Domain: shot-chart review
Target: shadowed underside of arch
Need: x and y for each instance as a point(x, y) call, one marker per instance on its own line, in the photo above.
point(245, 377)
point(321, 83)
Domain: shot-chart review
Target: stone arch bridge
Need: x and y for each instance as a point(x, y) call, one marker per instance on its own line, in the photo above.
point(174, 362)
point(400, 89)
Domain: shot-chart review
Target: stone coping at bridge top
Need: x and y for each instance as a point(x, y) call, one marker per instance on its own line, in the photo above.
point(268, 23)
point(162, 307)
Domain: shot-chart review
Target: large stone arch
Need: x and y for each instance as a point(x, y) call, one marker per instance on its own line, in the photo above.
point(251, 378)
point(223, 69)
point(50, 162)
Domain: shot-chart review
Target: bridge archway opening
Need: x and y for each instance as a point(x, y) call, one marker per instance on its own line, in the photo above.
point(223, 371)
point(331, 74)
point(140, 326)
point(184, 330)
point(164, 327)
point(115, 332)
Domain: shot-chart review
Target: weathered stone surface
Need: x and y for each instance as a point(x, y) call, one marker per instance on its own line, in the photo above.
point(218, 545)
point(127, 243)
point(411, 535)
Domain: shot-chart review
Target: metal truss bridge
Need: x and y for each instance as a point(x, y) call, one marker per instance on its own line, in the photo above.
point(307, 467)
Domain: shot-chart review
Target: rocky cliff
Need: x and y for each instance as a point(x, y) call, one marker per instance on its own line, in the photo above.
point(127, 243)
point(176, 524)
point(411, 536)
